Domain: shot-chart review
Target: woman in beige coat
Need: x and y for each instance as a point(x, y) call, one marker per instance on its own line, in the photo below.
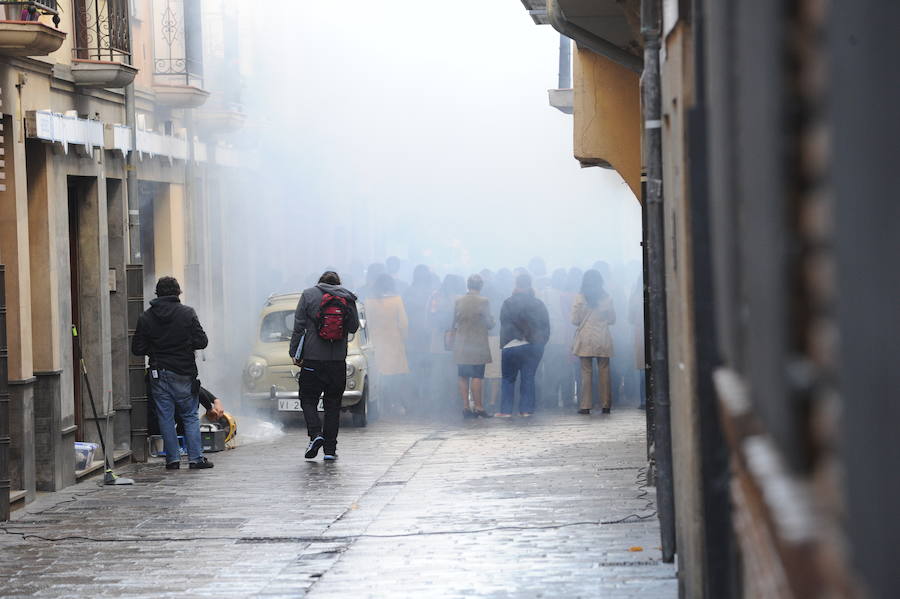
point(593, 313)
point(471, 351)
point(388, 327)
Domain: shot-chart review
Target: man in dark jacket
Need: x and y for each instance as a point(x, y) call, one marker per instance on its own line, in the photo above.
point(169, 332)
point(524, 331)
point(322, 361)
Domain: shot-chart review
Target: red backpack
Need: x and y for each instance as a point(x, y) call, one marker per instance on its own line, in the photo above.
point(332, 312)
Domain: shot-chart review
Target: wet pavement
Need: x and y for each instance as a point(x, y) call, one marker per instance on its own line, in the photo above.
point(553, 506)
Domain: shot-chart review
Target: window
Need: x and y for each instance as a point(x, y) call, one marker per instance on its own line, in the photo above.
point(277, 327)
point(102, 30)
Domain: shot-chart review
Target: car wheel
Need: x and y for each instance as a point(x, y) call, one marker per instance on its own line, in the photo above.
point(360, 411)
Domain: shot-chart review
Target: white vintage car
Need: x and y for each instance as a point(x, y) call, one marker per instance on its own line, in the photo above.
point(270, 377)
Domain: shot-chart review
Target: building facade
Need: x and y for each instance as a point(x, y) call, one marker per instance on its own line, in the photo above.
point(765, 134)
point(117, 117)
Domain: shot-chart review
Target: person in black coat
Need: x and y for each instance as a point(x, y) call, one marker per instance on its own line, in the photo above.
point(169, 332)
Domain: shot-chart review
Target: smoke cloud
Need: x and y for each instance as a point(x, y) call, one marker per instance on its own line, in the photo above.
point(413, 129)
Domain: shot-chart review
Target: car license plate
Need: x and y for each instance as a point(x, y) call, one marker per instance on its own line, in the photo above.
point(293, 405)
point(289, 405)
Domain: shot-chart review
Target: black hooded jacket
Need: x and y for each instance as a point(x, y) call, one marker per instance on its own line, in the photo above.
point(306, 318)
point(169, 332)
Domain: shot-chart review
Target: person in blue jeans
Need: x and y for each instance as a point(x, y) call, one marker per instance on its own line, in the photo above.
point(524, 331)
point(169, 333)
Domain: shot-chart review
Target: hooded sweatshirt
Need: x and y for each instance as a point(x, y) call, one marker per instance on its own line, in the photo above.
point(169, 332)
point(306, 325)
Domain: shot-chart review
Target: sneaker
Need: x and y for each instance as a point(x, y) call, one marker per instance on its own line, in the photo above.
point(483, 414)
point(525, 414)
point(330, 456)
point(583, 411)
point(605, 410)
point(502, 415)
point(312, 450)
point(201, 464)
point(468, 414)
point(173, 465)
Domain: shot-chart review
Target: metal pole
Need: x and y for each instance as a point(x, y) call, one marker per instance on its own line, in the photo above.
point(131, 178)
point(648, 372)
point(193, 285)
point(653, 202)
point(189, 187)
point(565, 63)
point(131, 182)
point(4, 406)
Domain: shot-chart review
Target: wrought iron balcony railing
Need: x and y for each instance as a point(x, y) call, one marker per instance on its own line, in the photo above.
point(18, 10)
point(178, 44)
point(102, 30)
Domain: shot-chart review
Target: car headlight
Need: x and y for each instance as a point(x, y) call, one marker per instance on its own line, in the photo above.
point(256, 369)
point(351, 384)
point(351, 370)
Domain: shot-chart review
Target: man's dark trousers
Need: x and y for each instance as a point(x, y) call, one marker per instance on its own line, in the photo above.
point(318, 378)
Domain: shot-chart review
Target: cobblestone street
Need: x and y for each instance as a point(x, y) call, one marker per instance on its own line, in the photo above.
point(549, 507)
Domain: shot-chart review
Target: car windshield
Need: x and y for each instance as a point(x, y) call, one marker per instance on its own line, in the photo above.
point(277, 327)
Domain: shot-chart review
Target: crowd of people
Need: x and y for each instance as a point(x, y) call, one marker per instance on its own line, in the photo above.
point(515, 340)
point(493, 344)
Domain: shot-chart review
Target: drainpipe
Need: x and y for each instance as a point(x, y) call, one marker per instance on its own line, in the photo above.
point(131, 178)
point(653, 205)
point(565, 63)
point(194, 287)
point(4, 405)
point(131, 182)
point(586, 39)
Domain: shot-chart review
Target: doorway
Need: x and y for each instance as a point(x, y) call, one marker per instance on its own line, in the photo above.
point(75, 194)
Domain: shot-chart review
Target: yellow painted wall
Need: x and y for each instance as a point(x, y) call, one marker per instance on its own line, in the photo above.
point(66, 24)
point(169, 229)
point(607, 116)
point(44, 216)
point(142, 43)
point(15, 251)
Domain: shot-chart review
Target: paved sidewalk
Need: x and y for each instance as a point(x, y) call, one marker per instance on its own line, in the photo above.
point(548, 507)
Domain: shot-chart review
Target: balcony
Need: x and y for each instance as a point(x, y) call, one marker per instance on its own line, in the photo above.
point(21, 34)
point(102, 73)
point(562, 99)
point(220, 119)
point(19, 10)
point(178, 54)
point(102, 52)
point(179, 96)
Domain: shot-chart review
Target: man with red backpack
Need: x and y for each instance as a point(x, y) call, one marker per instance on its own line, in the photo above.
point(325, 317)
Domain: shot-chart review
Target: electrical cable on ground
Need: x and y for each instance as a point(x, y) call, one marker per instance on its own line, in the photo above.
point(641, 479)
point(632, 518)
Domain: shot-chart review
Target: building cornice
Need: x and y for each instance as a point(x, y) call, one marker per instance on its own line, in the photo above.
point(30, 65)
